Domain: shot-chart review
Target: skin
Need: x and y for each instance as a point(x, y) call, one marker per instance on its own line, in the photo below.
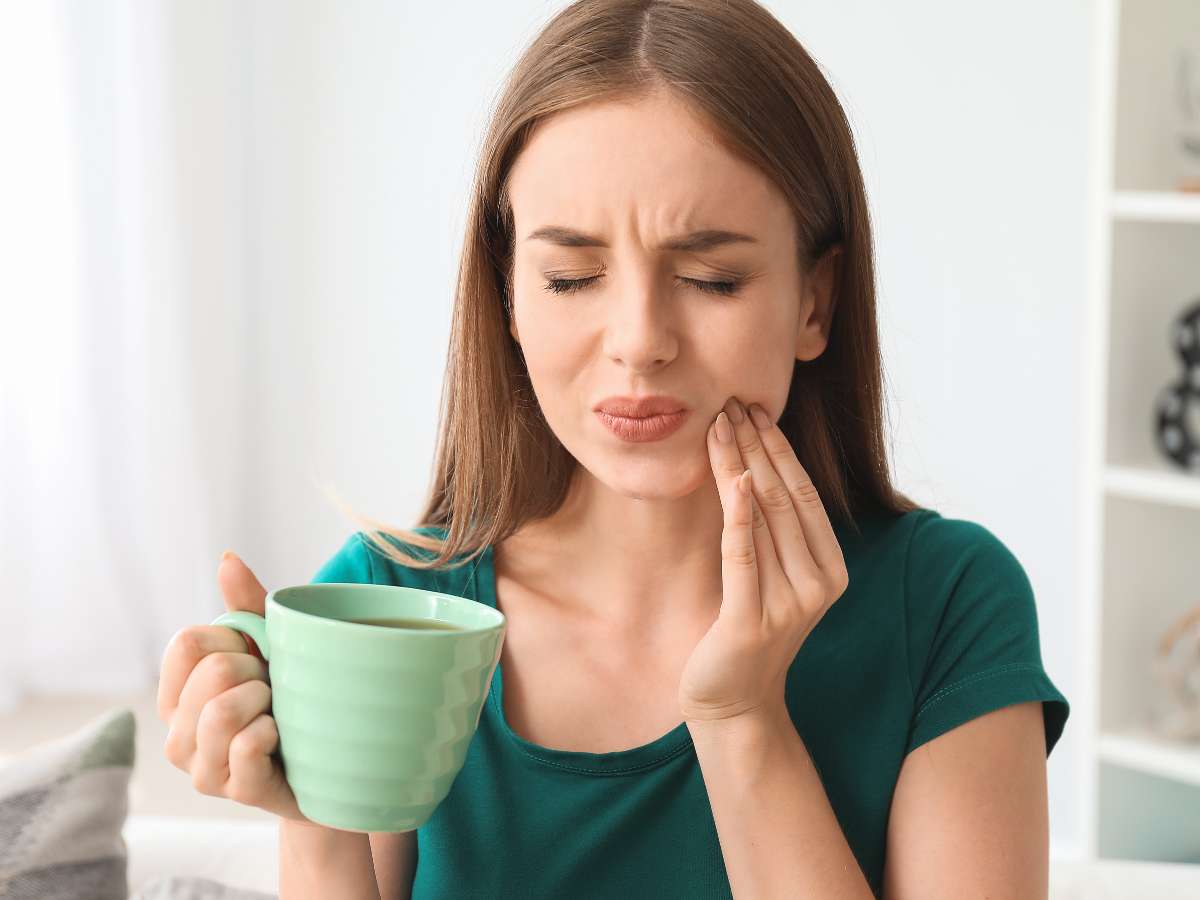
point(641, 521)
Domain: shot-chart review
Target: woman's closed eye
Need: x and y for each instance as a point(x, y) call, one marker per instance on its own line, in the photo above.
point(568, 285)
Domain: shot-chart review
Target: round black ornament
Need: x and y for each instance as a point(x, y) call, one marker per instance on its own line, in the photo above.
point(1178, 408)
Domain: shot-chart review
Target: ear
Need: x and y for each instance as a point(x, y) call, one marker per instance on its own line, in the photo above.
point(817, 302)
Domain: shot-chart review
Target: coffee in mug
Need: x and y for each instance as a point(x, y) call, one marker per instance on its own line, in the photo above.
point(394, 622)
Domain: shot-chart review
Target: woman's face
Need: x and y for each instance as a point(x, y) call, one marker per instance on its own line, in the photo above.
point(641, 318)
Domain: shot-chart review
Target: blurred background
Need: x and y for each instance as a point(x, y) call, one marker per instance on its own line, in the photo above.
point(230, 232)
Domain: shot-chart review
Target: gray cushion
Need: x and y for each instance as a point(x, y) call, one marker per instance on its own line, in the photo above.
point(62, 806)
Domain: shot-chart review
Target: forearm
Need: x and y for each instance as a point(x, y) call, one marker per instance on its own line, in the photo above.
point(778, 832)
point(317, 862)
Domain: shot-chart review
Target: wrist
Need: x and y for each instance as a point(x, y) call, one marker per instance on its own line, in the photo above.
point(754, 728)
point(312, 836)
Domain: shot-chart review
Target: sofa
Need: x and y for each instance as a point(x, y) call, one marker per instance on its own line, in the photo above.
point(235, 852)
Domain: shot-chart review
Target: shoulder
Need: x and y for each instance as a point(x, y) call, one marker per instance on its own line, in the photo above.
point(971, 629)
point(349, 564)
point(946, 556)
point(366, 559)
point(970, 607)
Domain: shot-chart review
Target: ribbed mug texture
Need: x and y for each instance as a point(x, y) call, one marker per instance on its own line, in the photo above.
point(374, 722)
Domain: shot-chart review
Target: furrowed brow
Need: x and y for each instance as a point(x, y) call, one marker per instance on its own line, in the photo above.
point(696, 242)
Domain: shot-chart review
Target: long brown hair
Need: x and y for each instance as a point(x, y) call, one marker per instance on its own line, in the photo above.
point(498, 464)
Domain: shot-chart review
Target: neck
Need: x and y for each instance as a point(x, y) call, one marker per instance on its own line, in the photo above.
point(635, 562)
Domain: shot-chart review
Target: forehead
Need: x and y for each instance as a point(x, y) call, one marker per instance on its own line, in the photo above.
point(650, 164)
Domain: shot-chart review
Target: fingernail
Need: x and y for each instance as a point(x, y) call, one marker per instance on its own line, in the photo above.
point(734, 409)
point(761, 420)
point(227, 554)
point(724, 432)
point(744, 483)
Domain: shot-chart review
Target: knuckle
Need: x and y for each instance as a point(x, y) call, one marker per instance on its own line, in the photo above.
point(730, 467)
point(804, 491)
point(247, 745)
point(222, 668)
point(841, 581)
point(740, 555)
point(811, 594)
point(775, 495)
point(757, 519)
point(205, 781)
point(219, 716)
point(185, 643)
point(173, 751)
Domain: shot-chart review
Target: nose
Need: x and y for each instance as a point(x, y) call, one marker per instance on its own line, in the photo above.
point(641, 332)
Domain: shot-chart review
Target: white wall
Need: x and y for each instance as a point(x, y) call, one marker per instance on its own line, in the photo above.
point(358, 126)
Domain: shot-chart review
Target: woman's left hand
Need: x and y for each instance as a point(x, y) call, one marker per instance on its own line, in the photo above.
point(781, 569)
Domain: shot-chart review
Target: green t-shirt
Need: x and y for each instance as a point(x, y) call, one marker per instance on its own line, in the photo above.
point(938, 626)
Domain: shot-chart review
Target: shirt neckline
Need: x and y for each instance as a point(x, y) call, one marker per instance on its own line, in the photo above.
point(615, 762)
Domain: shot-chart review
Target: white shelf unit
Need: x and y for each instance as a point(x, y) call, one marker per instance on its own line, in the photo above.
point(1141, 544)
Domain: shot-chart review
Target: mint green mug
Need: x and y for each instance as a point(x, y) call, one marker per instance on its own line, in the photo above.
point(374, 721)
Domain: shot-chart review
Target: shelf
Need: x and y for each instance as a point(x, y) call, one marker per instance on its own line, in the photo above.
point(1153, 485)
point(1142, 797)
point(1156, 206)
point(1142, 750)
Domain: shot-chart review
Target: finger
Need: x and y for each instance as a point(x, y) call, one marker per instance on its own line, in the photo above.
point(740, 598)
point(770, 573)
point(791, 545)
point(773, 588)
point(185, 649)
point(214, 674)
point(820, 539)
point(253, 771)
point(222, 717)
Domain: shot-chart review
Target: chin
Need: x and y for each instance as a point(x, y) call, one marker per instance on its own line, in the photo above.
point(669, 476)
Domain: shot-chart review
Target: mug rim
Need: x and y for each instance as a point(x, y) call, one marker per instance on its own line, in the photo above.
point(459, 631)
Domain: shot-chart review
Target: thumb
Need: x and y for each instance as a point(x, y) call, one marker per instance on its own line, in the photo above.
point(239, 587)
point(241, 590)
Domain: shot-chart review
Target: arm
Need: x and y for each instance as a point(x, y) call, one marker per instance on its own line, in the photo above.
point(316, 862)
point(970, 814)
point(778, 832)
point(395, 855)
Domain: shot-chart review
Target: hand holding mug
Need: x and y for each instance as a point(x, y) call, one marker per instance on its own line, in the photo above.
point(214, 692)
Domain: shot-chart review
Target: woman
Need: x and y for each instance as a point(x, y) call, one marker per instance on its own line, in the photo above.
point(813, 689)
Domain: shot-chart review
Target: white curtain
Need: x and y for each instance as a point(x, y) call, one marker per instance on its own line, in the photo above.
point(112, 458)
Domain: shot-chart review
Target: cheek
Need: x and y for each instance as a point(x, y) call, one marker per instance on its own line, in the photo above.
point(755, 358)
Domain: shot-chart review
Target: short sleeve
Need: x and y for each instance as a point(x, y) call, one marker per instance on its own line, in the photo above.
point(350, 565)
point(972, 631)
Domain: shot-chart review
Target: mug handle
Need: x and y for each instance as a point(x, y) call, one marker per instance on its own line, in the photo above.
point(248, 623)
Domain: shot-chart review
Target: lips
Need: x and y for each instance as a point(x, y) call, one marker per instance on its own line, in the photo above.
point(640, 407)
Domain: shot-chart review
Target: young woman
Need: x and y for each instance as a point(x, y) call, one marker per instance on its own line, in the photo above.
point(738, 661)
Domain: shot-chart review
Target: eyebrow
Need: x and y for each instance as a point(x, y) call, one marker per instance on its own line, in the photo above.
point(695, 242)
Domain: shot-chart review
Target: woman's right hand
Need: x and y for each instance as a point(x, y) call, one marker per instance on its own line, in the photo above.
point(214, 693)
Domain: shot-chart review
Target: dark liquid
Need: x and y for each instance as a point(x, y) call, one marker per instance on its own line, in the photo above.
point(415, 624)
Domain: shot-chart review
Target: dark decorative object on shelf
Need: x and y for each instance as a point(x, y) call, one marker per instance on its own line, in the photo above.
point(1178, 416)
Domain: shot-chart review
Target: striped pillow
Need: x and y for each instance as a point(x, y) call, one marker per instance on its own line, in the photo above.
point(62, 807)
